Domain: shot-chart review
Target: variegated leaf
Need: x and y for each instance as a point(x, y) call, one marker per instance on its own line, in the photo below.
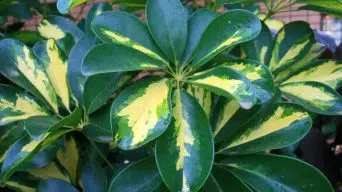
point(108, 27)
point(64, 6)
point(228, 29)
point(203, 97)
point(276, 126)
point(16, 105)
point(141, 112)
point(57, 27)
point(22, 183)
point(258, 74)
point(223, 112)
point(69, 158)
point(228, 117)
point(275, 173)
point(227, 82)
point(260, 48)
point(93, 13)
point(314, 96)
point(315, 52)
point(292, 43)
point(55, 64)
point(52, 170)
point(328, 72)
point(117, 58)
point(38, 126)
point(20, 66)
point(9, 134)
point(186, 146)
point(24, 150)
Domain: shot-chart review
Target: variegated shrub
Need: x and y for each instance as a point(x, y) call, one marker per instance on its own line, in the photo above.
point(85, 112)
point(293, 59)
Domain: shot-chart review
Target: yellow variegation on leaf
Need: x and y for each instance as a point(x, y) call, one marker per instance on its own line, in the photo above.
point(141, 112)
point(325, 71)
point(55, 64)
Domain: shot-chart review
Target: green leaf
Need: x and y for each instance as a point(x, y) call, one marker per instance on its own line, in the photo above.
point(56, 27)
point(94, 11)
point(64, 6)
point(131, 3)
point(168, 24)
point(135, 125)
point(117, 58)
point(55, 64)
point(314, 96)
point(273, 173)
point(274, 127)
point(260, 48)
point(330, 11)
point(314, 53)
point(222, 2)
point(16, 105)
point(24, 150)
point(93, 178)
point(142, 176)
point(185, 152)
point(109, 28)
point(86, 90)
point(292, 43)
point(38, 126)
point(333, 7)
point(198, 22)
point(22, 183)
point(324, 71)
point(226, 30)
point(42, 158)
point(258, 74)
point(98, 127)
point(9, 134)
point(221, 180)
point(66, 43)
point(226, 81)
point(95, 96)
point(75, 78)
point(20, 66)
point(55, 185)
point(27, 37)
point(203, 97)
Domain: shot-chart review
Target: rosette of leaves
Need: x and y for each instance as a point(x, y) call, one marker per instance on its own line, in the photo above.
point(293, 57)
point(41, 108)
point(241, 164)
point(173, 109)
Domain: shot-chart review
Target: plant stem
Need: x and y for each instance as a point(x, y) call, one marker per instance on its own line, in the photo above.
point(100, 153)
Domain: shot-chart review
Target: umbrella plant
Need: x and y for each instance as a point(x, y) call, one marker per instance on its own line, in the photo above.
point(293, 59)
point(79, 108)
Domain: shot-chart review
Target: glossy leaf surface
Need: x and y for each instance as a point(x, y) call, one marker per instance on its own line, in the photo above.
point(136, 117)
point(186, 145)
